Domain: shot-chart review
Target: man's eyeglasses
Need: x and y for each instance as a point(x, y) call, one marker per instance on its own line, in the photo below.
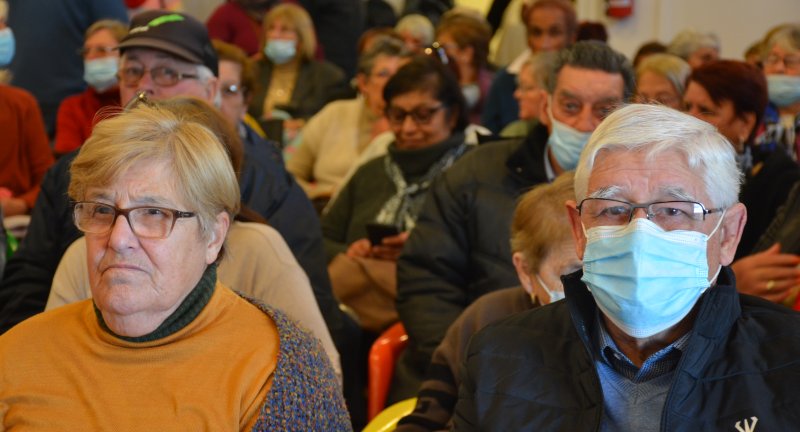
point(164, 76)
point(146, 222)
point(669, 215)
point(420, 115)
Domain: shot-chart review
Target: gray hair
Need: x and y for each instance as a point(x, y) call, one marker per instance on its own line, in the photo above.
point(539, 66)
point(689, 41)
point(204, 74)
point(381, 45)
point(594, 55)
point(671, 67)
point(656, 130)
point(418, 25)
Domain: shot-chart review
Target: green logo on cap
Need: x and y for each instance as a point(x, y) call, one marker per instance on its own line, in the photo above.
point(165, 19)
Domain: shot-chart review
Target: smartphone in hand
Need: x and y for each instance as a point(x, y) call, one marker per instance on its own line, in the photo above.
point(377, 232)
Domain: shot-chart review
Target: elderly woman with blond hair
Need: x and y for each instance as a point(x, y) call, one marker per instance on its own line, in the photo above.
point(291, 81)
point(162, 345)
point(661, 78)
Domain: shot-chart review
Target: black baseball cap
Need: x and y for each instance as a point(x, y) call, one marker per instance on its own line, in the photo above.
point(172, 32)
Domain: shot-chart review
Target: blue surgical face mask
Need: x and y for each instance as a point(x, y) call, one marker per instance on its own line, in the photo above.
point(101, 73)
point(644, 279)
point(784, 90)
point(554, 295)
point(7, 47)
point(565, 142)
point(280, 51)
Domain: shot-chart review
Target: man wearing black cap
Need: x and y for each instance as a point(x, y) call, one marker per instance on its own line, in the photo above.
point(164, 55)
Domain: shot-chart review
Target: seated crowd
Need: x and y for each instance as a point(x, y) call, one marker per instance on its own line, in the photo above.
point(572, 240)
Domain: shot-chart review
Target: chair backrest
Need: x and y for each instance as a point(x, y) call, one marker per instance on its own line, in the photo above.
point(382, 357)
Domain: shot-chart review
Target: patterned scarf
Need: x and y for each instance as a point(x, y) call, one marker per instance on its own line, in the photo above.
point(401, 210)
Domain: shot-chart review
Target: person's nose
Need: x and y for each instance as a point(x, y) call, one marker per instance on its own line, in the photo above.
point(409, 125)
point(587, 122)
point(121, 235)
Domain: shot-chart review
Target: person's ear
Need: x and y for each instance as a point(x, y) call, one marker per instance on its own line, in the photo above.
point(216, 236)
point(745, 125)
point(544, 119)
point(212, 90)
point(518, 258)
point(361, 82)
point(577, 228)
point(731, 232)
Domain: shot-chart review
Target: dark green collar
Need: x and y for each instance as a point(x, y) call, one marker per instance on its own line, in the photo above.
point(188, 310)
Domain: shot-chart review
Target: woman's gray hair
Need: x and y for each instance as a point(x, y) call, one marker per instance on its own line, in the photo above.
point(539, 66)
point(671, 67)
point(689, 41)
point(656, 130)
point(418, 25)
point(381, 45)
point(594, 55)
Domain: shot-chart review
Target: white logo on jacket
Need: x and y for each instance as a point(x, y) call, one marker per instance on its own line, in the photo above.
point(748, 427)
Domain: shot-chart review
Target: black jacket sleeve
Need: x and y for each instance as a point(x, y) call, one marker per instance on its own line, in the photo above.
point(29, 273)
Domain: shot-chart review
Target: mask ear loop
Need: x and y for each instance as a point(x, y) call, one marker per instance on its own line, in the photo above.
point(719, 223)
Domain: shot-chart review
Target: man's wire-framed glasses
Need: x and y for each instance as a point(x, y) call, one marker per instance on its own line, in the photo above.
point(669, 215)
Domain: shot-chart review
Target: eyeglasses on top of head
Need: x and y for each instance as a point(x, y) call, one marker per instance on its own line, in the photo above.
point(146, 222)
point(420, 115)
point(163, 76)
point(669, 215)
point(437, 51)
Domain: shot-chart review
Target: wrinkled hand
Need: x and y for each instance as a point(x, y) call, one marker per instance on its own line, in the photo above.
point(359, 249)
point(769, 274)
point(390, 247)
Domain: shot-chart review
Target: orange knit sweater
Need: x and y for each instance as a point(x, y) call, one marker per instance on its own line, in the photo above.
point(214, 374)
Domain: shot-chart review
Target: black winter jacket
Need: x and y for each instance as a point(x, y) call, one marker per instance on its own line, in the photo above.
point(459, 249)
point(535, 371)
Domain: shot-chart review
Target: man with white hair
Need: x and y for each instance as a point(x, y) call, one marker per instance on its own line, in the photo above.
point(653, 334)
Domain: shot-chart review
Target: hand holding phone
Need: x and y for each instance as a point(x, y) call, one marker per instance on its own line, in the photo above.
point(377, 232)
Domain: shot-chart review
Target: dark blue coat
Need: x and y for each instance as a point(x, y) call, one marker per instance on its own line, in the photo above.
point(534, 371)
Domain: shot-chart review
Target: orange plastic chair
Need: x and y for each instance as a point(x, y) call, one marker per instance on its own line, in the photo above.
point(380, 366)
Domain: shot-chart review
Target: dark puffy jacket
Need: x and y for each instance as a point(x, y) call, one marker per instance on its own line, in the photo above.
point(459, 249)
point(534, 371)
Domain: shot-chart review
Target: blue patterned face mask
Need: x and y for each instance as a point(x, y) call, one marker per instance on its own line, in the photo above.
point(280, 51)
point(101, 73)
point(784, 90)
point(644, 279)
point(7, 46)
point(565, 142)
